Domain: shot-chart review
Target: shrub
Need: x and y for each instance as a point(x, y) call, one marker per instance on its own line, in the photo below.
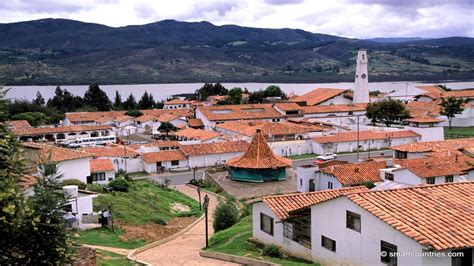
point(273, 251)
point(225, 215)
point(75, 182)
point(122, 174)
point(95, 187)
point(368, 184)
point(119, 185)
point(160, 220)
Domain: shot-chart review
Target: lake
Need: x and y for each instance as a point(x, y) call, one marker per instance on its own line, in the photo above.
point(163, 91)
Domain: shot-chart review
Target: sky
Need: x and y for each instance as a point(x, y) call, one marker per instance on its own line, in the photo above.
point(349, 18)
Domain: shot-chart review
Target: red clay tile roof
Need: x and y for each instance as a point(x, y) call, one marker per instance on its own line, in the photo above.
point(48, 153)
point(239, 112)
point(176, 101)
point(159, 143)
point(215, 148)
point(248, 128)
point(355, 174)
point(115, 151)
point(335, 108)
point(318, 96)
point(144, 118)
point(435, 146)
point(27, 181)
point(433, 94)
point(195, 122)
point(167, 117)
point(423, 119)
point(365, 135)
point(123, 118)
point(259, 156)
point(437, 216)
point(430, 167)
point(197, 134)
point(288, 106)
point(101, 165)
point(182, 112)
point(284, 205)
point(418, 108)
point(162, 156)
point(32, 131)
point(16, 124)
point(431, 89)
point(92, 116)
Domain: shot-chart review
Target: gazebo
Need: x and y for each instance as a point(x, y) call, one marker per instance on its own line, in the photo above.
point(259, 163)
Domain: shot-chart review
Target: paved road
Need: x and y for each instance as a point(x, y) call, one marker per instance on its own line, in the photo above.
point(351, 157)
point(177, 178)
point(184, 250)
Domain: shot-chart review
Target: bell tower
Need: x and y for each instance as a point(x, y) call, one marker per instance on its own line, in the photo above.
point(361, 84)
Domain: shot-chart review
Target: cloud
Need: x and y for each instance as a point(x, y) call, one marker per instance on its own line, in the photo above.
point(350, 18)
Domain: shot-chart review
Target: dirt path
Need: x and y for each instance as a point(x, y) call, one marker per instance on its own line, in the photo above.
point(121, 251)
point(184, 250)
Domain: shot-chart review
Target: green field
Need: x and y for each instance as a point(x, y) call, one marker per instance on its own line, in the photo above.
point(143, 203)
point(458, 132)
point(234, 241)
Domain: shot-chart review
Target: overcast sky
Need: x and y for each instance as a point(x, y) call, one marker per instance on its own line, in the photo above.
point(350, 18)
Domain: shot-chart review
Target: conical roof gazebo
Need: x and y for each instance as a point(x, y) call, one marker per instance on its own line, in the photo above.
point(259, 163)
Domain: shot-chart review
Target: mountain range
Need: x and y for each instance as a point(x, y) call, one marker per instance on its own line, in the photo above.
point(60, 51)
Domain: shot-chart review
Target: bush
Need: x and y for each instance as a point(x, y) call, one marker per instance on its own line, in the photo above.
point(95, 187)
point(119, 185)
point(273, 251)
point(74, 182)
point(122, 174)
point(225, 215)
point(160, 220)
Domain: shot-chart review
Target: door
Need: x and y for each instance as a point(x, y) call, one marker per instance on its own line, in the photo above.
point(312, 187)
point(89, 179)
point(158, 167)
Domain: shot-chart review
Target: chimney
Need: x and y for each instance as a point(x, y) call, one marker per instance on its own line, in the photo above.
point(389, 162)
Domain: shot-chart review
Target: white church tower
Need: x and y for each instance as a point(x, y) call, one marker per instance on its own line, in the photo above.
point(361, 86)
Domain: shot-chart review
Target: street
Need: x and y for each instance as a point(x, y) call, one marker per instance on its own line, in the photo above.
point(350, 157)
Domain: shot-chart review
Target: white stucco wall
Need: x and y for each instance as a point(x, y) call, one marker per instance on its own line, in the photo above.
point(294, 147)
point(428, 133)
point(151, 167)
point(74, 169)
point(211, 159)
point(303, 175)
point(323, 179)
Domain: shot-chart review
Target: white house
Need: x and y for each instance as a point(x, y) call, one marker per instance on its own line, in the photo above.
point(123, 157)
point(211, 154)
point(90, 118)
point(161, 161)
point(102, 171)
point(177, 104)
point(352, 226)
point(368, 140)
point(192, 135)
point(78, 207)
point(447, 148)
point(428, 127)
point(62, 133)
point(339, 114)
point(323, 96)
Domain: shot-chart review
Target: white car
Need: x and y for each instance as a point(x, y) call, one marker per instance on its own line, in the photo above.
point(327, 156)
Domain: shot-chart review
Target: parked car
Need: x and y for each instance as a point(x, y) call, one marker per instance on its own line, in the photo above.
point(324, 158)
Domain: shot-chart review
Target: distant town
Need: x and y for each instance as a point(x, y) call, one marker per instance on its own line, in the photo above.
point(227, 176)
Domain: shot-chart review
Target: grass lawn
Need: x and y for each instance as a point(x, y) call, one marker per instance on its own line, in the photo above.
point(138, 174)
point(142, 204)
point(234, 241)
point(303, 156)
point(458, 132)
point(106, 258)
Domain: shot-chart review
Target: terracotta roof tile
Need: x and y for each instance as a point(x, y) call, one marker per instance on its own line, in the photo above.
point(115, 151)
point(167, 117)
point(288, 106)
point(424, 119)
point(162, 156)
point(438, 146)
point(195, 122)
point(248, 128)
point(355, 174)
point(437, 216)
point(27, 181)
point(418, 108)
point(92, 116)
point(259, 156)
point(239, 112)
point(144, 118)
point(123, 118)
point(25, 131)
point(335, 108)
point(182, 112)
point(176, 101)
point(197, 134)
point(101, 165)
point(17, 124)
point(318, 96)
point(48, 153)
point(430, 167)
point(365, 135)
point(284, 205)
point(214, 148)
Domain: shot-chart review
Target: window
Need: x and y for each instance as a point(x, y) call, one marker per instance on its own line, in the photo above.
point(67, 208)
point(287, 230)
point(328, 243)
point(350, 113)
point(329, 185)
point(401, 154)
point(387, 253)
point(448, 179)
point(301, 181)
point(175, 162)
point(388, 176)
point(266, 224)
point(98, 177)
point(312, 186)
point(430, 180)
point(353, 221)
point(302, 230)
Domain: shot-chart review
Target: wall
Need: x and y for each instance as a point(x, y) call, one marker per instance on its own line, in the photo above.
point(109, 176)
point(82, 205)
point(352, 247)
point(151, 167)
point(211, 159)
point(366, 145)
point(340, 99)
point(74, 169)
point(428, 133)
point(303, 175)
point(134, 165)
point(322, 180)
point(294, 147)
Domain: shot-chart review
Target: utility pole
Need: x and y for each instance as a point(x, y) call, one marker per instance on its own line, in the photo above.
point(206, 205)
point(357, 138)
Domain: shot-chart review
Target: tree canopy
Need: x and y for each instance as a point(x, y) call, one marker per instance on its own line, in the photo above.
point(117, 101)
point(147, 101)
point(97, 98)
point(387, 111)
point(209, 89)
point(450, 107)
point(130, 103)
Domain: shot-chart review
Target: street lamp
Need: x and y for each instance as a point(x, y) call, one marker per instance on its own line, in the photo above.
point(206, 205)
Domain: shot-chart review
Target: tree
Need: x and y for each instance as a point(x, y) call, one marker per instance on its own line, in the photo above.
point(256, 96)
point(387, 111)
point(39, 100)
point(63, 101)
point(450, 107)
point(274, 91)
point(134, 113)
point(130, 103)
point(117, 101)
point(147, 101)
point(225, 215)
point(209, 89)
point(97, 98)
point(166, 127)
point(34, 118)
point(234, 97)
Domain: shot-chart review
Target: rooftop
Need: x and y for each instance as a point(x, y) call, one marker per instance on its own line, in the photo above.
point(176, 101)
point(424, 119)
point(318, 96)
point(111, 151)
point(195, 122)
point(356, 173)
point(248, 128)
point(198, 134)
point(288, 106)
point(435, 146)
point(31, 131)
point(430, 167)
point(49, 153)
point(238, 112)
point(365, 135)
point(215, 148)
point(92, 116)
point(335, 108)
point(101, 165)
point(16, 124)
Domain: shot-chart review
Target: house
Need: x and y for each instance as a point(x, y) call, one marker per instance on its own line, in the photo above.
point(102, 171)
point(145, 122)
point(423, 149)
point(345, 114)
point(122, 157)
point(322, 96)
point(194, 136)
point(214, 115)
point(70, 164)
point(162, 161)
point(90, 118)
point(177, 104)
point(62, 133)
point(311, 178)
point(353, 226)
point(367, 140)
point(211, 154)
point(78, 207)
point(290, 109)
point(18, 124)
point(123, 121)
point(195, 123)
point(428, 127)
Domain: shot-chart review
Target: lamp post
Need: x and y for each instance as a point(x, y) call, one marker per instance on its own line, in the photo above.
point(206, 205)
point(199, 196)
